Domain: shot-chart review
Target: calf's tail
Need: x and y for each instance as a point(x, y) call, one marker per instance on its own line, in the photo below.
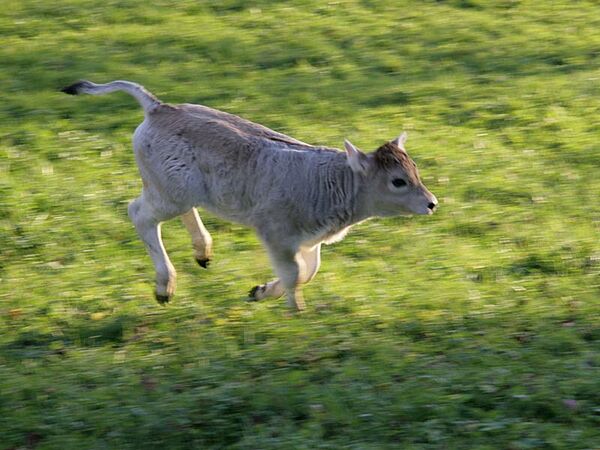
point(145, 98)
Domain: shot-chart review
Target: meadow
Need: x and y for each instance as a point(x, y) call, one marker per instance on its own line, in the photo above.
point(475, 328)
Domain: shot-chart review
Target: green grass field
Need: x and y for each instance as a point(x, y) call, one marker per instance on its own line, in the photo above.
point(475, 328)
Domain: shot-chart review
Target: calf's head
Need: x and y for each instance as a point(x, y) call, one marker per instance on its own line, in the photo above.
point(391, 180)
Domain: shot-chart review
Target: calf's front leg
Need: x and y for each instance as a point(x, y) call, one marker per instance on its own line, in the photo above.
point(308, 261)
point(287, 267)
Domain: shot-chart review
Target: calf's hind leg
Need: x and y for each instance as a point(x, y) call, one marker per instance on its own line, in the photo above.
point(201, 239)
point(147, 221)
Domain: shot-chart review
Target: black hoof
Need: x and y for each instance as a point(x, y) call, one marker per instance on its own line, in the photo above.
point(162, 299)
point(252, 294)
point(203, 262)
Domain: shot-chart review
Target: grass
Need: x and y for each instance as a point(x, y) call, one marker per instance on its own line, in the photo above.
point(478, 327)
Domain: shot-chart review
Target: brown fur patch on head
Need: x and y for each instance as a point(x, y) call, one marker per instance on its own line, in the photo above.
point(389, 156)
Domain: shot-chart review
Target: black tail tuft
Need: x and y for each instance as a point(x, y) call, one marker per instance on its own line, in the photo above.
point(73, 89)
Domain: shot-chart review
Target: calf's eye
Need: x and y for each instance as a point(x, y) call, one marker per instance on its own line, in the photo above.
point(398, 182)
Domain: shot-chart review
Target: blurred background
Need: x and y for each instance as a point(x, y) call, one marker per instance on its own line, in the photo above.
point(477, 327)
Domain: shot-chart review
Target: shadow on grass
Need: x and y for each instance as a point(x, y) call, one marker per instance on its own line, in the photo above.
point(85, 333)
point(403, 377)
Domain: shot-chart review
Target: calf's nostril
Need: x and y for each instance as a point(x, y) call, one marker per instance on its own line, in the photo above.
point(432, 206)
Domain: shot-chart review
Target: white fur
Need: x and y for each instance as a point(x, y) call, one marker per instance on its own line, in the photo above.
point(296, 196)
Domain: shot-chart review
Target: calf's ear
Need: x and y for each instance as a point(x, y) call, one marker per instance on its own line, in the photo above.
point(400, 140)
point(357, 160)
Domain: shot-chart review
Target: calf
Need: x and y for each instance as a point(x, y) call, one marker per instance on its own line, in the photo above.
point(295, 195)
